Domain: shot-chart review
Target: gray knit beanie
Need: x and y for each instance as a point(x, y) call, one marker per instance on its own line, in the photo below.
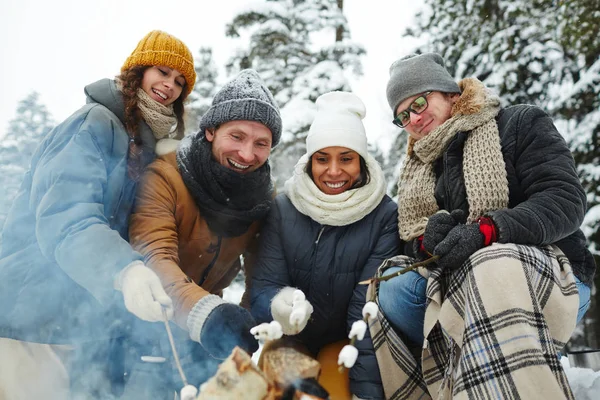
point(415, 74)
point(247, 98)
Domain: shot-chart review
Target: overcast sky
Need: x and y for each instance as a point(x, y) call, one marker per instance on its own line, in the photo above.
point(56, 47)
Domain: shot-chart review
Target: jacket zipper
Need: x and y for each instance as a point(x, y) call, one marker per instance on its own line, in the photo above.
point(316, 248)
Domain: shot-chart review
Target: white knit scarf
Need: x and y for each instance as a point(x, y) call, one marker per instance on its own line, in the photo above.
point(484, 171)
point(339, 209)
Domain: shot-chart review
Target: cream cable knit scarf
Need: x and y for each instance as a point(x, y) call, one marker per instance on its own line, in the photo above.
point(161, 119)
point(339, 209)
point(484, 171)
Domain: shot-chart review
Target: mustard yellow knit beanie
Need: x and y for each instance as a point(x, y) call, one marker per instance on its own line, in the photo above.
point(160, 48)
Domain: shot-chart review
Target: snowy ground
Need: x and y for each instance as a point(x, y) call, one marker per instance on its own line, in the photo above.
point(585, 383)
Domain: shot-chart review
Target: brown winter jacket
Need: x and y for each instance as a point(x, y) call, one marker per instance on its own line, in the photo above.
point(167, 228)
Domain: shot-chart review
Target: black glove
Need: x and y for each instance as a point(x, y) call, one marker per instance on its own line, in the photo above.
point(460, 243)
point(227, 326)
point(438, 227)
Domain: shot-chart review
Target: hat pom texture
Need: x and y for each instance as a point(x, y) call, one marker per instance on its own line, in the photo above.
point(338, 122)
point(245, 98)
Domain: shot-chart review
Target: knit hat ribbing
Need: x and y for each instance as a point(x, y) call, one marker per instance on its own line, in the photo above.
point(338, 122)
point(245, 98)
point(160, 48)
point(415, 74)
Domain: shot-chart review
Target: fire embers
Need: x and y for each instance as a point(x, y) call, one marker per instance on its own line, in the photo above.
point(305, 389)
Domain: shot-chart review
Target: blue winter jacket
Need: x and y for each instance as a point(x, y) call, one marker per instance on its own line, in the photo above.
point(65, 237)
point(326, 263)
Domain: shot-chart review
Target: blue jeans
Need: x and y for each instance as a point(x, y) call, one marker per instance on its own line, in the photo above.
point(402, 300)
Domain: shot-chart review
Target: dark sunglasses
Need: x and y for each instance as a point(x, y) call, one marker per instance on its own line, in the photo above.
point(417, 107)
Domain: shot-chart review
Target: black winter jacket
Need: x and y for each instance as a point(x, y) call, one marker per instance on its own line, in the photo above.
point(326, 263)
point(546, 200)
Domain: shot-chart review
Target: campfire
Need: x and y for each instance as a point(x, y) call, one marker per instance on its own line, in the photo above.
point(286, 374)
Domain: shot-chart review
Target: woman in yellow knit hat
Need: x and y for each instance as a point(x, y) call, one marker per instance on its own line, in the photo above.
point(65, 242)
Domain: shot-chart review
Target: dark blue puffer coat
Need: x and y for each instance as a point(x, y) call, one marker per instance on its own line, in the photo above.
point(326, 263)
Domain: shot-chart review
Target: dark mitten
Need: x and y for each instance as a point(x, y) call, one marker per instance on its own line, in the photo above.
point(438, 227)
point(460, 243)
point(227, 326)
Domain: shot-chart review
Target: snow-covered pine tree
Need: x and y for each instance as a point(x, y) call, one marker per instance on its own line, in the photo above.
point(302, 49)
point(578, 106)
point(205, 88)
point(31, 123)
point(541, 52)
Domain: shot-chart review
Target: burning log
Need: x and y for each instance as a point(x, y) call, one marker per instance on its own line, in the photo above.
point(284, 373)
point(237, 378)
point(285, 365)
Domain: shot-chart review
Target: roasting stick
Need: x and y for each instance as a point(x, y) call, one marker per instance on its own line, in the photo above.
point(349, 352)
point(401, 272)
point(172, 342)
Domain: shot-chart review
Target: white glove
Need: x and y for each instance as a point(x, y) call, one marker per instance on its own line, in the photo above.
point(143, 293)
point(290, 308)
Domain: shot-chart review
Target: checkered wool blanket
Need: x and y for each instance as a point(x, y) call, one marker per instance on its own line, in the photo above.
point(493, 329)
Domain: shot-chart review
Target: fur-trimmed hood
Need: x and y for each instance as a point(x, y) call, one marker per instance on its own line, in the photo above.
point(166, 146)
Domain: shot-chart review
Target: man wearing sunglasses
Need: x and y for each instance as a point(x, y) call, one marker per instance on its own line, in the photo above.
point(490, 197)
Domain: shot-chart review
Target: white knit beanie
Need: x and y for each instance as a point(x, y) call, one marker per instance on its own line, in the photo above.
point(338, 122)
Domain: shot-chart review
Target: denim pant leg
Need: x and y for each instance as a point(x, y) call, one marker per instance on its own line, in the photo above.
point(584, 298)
point(402, 300)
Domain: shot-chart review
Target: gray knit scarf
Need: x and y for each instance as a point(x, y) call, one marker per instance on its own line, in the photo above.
point(484, 171)
point(229, 201)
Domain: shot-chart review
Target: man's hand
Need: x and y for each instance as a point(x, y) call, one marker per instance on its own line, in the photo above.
point(459, 245)
point(438, 227)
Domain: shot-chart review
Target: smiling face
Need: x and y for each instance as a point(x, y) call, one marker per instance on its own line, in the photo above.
point(335, 169)
point(163, 84)
point(438, 111)
point(242, 146)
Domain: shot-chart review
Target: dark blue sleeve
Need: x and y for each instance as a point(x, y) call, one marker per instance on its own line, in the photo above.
point(365, 380)
point(270, 271)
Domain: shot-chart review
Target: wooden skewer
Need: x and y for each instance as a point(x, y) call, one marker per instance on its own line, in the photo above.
point(412, 267)
point(402, 271)
point(172, 342)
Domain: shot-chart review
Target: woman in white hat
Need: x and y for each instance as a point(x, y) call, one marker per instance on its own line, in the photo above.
point(330, 229)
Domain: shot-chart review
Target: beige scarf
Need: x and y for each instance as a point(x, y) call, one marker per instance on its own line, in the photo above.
point(161, 119)
point(339, 209)
point(484, 171)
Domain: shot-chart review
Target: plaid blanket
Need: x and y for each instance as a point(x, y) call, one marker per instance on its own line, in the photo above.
point(493, 328)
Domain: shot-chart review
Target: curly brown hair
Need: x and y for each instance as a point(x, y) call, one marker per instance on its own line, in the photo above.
point(131, 80)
